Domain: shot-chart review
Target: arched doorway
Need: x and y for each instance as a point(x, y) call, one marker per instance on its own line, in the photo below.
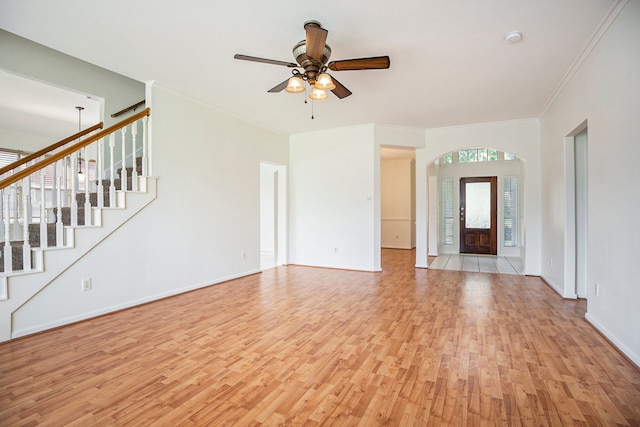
point(446, 217)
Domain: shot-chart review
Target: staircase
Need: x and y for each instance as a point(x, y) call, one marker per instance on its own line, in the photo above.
point(72, 221)
point(34, 228)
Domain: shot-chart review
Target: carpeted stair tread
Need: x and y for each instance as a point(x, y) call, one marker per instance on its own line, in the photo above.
point(93, 199)
point(34, 235)
point(117, 183)
point(16, 256)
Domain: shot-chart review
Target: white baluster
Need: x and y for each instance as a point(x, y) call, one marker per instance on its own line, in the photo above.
point(123, 167)
point(112, 186)
point(2, 216)
point(26, 247)
point(59, 225)
point(44, 235)
point(87, 196)
point(145, 124)
point(54, 191)
point(28, 209)
point(16, 214)
point(64, 184)
point(8, 256)
point(134, 161)
point(73, 159)
point(99, 173)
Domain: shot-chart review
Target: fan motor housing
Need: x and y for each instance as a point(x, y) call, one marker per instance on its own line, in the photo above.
point(311, 66)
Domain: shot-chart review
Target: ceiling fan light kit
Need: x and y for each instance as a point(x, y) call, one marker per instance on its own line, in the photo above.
point(295, 85)
point(312, 55)
point(318, 94)
point(324, 82)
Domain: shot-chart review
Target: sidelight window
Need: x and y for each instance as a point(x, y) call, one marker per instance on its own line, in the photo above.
point(510, 211)
point(447, 211)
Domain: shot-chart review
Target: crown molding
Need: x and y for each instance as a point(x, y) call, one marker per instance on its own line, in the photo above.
point(601, 29)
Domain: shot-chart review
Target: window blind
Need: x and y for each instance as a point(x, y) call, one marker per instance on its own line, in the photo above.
point(447, 211)
point(510, 211)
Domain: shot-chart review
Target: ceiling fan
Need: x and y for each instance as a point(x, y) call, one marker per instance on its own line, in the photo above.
point(312, 55)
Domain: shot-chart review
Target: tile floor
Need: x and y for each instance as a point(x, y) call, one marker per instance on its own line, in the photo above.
point(479, 263)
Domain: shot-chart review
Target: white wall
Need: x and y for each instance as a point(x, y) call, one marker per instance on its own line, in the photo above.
point(397, 196)
point(206, 214)
point(605, 91)
point(335, 209)
point(521, 138)
point(333, 198)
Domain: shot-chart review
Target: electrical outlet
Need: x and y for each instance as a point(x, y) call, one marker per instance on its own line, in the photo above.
point(243, 255)
point(86, 284)
point(550, 262)
point(597, 286)
point(335, 250)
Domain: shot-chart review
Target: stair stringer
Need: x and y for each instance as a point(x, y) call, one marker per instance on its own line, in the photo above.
point(19, 289)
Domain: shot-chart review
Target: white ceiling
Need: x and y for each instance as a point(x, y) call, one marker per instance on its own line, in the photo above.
point(43, 109)
point(449, 62)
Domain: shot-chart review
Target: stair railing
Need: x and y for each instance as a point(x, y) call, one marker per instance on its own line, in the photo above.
point(47, 150)
point(58, 185)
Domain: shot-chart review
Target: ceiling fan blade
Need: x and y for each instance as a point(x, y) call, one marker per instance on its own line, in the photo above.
point(373, 63)
point(340, 91)
point(279, 88)
point(316, 38)
point(266, 61)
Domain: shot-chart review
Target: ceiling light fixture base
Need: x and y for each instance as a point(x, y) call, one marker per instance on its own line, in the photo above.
point(513, 37)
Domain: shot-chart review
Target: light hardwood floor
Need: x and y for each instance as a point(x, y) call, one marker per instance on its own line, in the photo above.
point(310, 346)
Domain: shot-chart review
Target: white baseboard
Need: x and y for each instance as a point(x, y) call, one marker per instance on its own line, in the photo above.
point(613, 340)
point(552, 286)
point(129, 304)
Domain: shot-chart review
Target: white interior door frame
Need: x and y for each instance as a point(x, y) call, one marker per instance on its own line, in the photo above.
point(575, 230)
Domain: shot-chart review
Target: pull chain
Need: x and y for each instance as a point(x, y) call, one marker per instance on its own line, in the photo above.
point(305, 101)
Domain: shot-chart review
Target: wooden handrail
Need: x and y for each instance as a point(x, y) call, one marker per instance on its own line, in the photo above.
point(51, 147)
point(132, 107)
point(71, 149)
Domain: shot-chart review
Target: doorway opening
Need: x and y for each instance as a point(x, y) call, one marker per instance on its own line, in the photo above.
point(273, 218)
point(576, 237)
point(397, 198)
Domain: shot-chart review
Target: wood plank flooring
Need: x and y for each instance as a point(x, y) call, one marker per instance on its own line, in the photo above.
point(310, 346)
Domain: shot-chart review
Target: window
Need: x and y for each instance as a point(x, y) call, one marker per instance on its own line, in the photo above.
point(35, 183)
point(447, 159)
point(46, 176)
point(510, 211)
point(474, 155)
point(508, 156)
point(462, 156)
point(447, 211)
point(7, 157)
